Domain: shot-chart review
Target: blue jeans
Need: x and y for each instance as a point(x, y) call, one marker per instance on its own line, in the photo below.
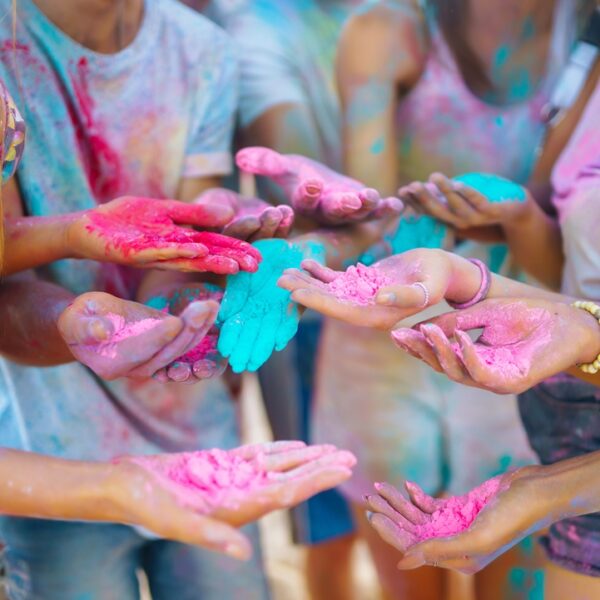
point(56, 560)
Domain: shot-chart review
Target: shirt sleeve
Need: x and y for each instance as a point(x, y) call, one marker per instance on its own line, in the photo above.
point(208, 152)
point(268, 76)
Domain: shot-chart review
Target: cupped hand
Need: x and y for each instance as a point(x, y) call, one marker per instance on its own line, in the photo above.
point(147, 233)
point(117, 338)
point(507, 512)
point(523, 342)
point(202, 359)
point(414, 280)
point(241, 485)
point(253, 219)
point(147, 501)
point(468, 201)
point(257, 316)
point(315, 191)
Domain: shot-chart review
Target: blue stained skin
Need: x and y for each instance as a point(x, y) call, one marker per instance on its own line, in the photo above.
point(493, 187)
point(258, 317)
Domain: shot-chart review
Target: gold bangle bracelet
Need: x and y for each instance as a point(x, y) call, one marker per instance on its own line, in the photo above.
point(594, 310)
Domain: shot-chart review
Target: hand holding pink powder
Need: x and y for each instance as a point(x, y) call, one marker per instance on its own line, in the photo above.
point(466, 532)
point(378, 296)
point(149, 233)
point(242, 485)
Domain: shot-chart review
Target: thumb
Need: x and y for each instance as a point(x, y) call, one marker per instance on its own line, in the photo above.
point(77, 329)
point(414, 295)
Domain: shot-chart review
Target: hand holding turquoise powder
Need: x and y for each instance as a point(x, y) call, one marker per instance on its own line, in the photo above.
point(468, 201)
point(256, 316)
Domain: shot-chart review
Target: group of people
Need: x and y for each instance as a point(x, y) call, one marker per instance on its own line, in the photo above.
point(413, 278)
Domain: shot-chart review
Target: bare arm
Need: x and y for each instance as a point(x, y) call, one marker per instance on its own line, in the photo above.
point(380, 54)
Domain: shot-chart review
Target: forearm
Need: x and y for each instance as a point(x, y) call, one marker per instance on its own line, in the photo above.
point(35, 241)
point(32, 485)
point(571, 487)
point(535, 243)
point(29, 311)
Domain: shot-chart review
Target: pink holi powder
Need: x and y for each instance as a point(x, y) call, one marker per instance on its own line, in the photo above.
point(218, 476)
point(358, 285)
point(123, 330)
point(206, 349)
point(458, 512)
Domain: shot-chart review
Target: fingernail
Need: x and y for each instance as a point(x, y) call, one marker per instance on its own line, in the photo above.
point(387, 298)
point(378, 486)
point(236, 551)
point(369, 515)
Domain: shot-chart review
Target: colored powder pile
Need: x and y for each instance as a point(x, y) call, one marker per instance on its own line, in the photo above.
point(218, 475)
point(458, 512)
point(206, 349)
point(359, 285)
point(494, 187)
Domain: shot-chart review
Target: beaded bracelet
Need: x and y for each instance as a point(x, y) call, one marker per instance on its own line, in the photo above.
point(484, 288)
point(594, 310)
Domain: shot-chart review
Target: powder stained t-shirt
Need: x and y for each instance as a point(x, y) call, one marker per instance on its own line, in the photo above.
point(99, 127)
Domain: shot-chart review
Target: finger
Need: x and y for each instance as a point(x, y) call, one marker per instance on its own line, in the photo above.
point(421, 500)
point(340, 205)
point(240, 356)
point(475, 365)
point(288, 326)
point(307, 196)
point(391, 533)
point(290, 459)
point(293, 279)
point(198, 318)
point(251, 451)
point(270, 221)
point(445, 353)
point(397, 501)
point(190, 528)
point(230, 334)
point(376, 504)
point(415, 343)
point(242, 228)
point(262, 161)
point(319, 271)
point(77, 329)
point(235, 297)
point(179, 372)
point(388, 208)
point(265, 342)
point(413, 296)
point(287, 221)
point(207, 369)
point(201, 214)
point(477, 200)
point(432, 205)
point(165, 251)
point(336, 458)
point(456, 202)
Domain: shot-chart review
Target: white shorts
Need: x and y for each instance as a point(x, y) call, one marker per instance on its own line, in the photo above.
point(405, 421)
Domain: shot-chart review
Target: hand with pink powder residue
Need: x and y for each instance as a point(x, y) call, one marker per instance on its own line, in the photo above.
point(315, 191)
point(148, 233)
point(116, 338)
point(202, 360)
point(359, 295)
point(253, 219)
point(523, 342)
point(464, 533)
point(241, 485)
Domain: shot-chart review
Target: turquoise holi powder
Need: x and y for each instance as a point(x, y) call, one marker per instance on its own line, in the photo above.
point(188, 294)
point(528, 581)
point(378, 146)
point(258, 317)
point(493, 187)
point(158, 303)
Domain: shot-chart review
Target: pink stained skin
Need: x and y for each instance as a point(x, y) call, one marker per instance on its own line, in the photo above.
point(146, 232)
point(253, 218)
point(359, 285)
point(316, 191)
point(523, 343)
point(243, 484)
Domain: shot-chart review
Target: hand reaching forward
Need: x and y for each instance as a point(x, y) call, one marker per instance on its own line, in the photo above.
point(116, 338)
point(149, 233)
point(464, 533)
point(524, 341)
point(316, 191)
point(241, 485)
point(253, 219)
point(378, 296)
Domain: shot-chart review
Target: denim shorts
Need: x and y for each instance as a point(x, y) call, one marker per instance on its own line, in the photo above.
point(562, 419)
point(57, 560)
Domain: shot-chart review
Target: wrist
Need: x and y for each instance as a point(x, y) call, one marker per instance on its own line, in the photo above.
point(523, 213)
point(69, 234)
point(465, 280)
